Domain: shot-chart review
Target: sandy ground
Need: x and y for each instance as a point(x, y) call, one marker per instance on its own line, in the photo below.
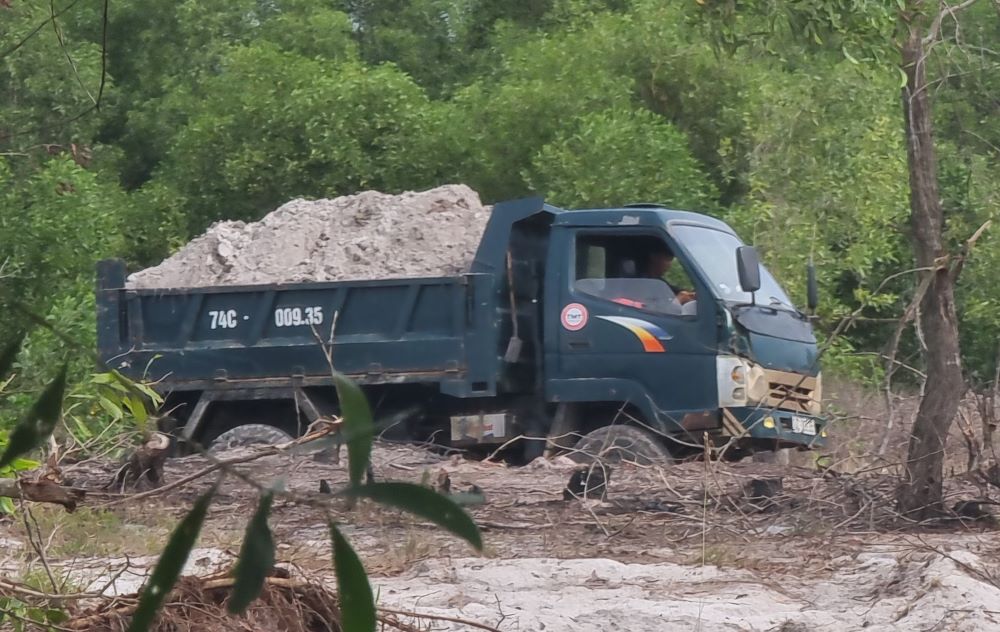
point(679, 548)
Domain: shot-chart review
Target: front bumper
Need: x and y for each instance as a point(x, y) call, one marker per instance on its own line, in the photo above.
point(780, 428)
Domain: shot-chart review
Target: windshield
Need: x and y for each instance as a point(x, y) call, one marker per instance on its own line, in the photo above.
point(714, 251)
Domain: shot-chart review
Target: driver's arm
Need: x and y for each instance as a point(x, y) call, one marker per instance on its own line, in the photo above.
point(683, 296)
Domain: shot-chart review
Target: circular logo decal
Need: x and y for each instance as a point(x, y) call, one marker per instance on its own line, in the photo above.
point(574, 317)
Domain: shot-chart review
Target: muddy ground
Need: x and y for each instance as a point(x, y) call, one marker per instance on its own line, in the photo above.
point(675, 548)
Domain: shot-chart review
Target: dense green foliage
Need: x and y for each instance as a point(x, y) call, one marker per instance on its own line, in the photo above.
point(211, 110)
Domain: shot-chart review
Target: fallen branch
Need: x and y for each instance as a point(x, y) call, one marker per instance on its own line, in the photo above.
point(229, 582)
point(43, 491)
point(488, 524)
point(15, 588)
point(439, 617)
point(259, 453)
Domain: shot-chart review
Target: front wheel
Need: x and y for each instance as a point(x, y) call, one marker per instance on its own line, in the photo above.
point(621, 444)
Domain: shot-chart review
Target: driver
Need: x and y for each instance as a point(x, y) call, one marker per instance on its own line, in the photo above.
point(658, 262)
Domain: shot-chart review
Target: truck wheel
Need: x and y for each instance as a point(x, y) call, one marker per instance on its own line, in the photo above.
point(621, 444)
point(249, 434)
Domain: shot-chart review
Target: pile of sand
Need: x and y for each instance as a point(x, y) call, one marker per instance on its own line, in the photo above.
point(369, 235)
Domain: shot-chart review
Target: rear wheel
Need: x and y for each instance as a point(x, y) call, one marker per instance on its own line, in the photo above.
point(240, 423)
point(621, 444)
point(248, 434)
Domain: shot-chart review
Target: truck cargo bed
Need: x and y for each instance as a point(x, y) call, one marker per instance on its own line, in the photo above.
point(384, 331)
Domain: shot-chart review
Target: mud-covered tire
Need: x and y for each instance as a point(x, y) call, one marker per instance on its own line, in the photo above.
point(621, 444)
point(248, 434)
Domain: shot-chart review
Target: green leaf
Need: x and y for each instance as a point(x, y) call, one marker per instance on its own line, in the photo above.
point(56, 616)
point(425, 503)
point(136, 408)
point(359, 429)
point(111, 408)
point(21, 465)
point(34, 429)
point(149, 392)
point(256, 558)
point(103, 378)
point(357, 604)
point(171, 563)
point(9, 354)
point(83, 433)
point(6, 506)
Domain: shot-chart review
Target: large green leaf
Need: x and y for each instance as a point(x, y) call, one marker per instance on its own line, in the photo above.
point(34, 429)
point(359, 429)
point(256, 558)
point(357, 604)
point(425, 503)
point(171, 563)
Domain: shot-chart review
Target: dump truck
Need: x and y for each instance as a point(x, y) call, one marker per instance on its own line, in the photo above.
point(640, 329)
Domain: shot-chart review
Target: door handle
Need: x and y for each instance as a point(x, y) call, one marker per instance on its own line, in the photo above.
point(579, 344)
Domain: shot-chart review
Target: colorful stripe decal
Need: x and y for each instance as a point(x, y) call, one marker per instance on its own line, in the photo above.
point(648, 334)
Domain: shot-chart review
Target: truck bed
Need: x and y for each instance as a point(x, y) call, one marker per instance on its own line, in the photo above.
point(386, 331)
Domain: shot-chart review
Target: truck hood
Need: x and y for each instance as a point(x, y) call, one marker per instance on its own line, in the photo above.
point(784, 355)
point(779, 339)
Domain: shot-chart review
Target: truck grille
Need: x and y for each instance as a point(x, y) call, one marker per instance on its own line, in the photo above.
point(791, 391)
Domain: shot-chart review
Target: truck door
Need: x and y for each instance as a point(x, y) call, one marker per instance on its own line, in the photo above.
point(623, 328)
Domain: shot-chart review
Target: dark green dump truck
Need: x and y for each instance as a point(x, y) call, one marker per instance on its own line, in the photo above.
point(637, 324)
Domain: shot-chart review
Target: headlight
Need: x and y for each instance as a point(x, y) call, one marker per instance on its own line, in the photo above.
point(740, 383)
point(738, 374)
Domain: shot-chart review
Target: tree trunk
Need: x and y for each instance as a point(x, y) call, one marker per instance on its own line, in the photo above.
point(144, 469)
point(921, 490)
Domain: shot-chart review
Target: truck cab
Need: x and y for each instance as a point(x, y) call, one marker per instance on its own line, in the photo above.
point(686, 352)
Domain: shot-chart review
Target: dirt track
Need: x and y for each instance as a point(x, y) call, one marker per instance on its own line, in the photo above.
point(680, 548)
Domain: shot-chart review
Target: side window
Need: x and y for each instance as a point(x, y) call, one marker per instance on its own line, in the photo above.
point(635, 270)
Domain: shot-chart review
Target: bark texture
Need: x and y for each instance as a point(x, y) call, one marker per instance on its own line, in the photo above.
point(920, 494)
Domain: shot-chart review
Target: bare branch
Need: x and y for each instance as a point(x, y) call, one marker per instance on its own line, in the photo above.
point(970, 243)
point(908, 315)
point(35, 30)
point(34, 533)
point(981, 139)
point(62, 45)
point(947, 11)
point(104, 53)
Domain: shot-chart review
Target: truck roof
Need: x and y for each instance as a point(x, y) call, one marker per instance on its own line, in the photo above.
point(493, 246)
point(634, 214)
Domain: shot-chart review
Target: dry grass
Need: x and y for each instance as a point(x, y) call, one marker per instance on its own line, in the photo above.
point(97, 532)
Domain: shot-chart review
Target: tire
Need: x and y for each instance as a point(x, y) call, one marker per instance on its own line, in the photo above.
point(248, 434)
point(621, 444)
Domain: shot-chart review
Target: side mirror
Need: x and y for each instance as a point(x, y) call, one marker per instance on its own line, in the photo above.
point(812, 289)
point(748, 266)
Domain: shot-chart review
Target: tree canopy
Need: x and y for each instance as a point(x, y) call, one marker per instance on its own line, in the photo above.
point(130, 135)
